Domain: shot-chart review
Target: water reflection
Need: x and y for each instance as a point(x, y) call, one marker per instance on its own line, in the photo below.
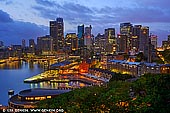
point(12, 75)
point(11, 65)
point(54, 85)
point(20, 64)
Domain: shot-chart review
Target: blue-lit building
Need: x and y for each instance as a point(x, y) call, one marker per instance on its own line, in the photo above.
point(81, 36)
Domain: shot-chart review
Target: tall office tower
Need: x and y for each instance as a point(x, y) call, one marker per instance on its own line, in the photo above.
point(154, 40)
point(111, 40)
point(144, 38)
point(165, 44)
point(71, 42)
point(81, 36)
point(126, 29)
point(23, 43)
point(169, 38)
point(88, 37)
point(145, 43)
point(1, 44)
point(57, 33)
point(135, 37)
point(100, 44)
point(32, 46)
point(122, 43)
point(45, 45)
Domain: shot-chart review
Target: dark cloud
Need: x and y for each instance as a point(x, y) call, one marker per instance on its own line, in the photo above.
point(12, 32)
point(47, 3)
point(152, 11)
point(74, 13)
point(139, 14)
point(4, 17)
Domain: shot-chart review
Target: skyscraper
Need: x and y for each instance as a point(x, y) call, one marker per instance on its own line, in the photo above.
point(144, 38)
point(126, 29)
point(87, 37)
point(45, 45)
point(100, 44)
point(81, 35)
point(110, 40)
point(57, 33)
point(154, 40)
point(145, 43)
point(135, 37)
point(32, 46)
point(1, 44)
point(71, 42)
point(23, 43)
point(168, 37)
point(122, 43)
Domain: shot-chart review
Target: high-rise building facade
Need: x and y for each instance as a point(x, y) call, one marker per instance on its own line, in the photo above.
point(126, 29)
point(135, 37)
point(100, 44)
point(166, 44)
point(1, 43)
point(144, 38)
point(71, 42)
point(122, 43)
point(32, 46)
point(23, 43)
point(168, 37)
point(88, 37)
point(154, 39)
point(80, 36)
point(57, 33)
point(110, 40)
point(45, 45)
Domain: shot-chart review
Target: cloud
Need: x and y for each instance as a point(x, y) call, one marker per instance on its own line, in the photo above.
point(12, 32)
point(108, 16)
point(72, 12)
point(76, 13)
point(7, 2)
point(4, 17)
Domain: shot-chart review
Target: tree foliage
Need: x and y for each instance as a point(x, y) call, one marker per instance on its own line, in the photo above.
point(151, 93)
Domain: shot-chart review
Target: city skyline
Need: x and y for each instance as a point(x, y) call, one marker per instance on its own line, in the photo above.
point(34, 16)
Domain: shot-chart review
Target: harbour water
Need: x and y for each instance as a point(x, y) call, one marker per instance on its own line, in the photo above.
point(13, 74)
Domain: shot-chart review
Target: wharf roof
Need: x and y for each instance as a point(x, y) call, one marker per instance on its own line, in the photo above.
point(133, 63)
point(63, 63)
point(167, 65)
point(41, 92)
point(125, 62)
point(117, 61)
point(150, 64)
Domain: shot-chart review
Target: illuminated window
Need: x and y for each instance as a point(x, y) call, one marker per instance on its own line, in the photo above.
point(48, 96)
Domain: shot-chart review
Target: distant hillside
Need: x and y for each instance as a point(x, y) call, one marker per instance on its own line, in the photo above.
point(150, 93)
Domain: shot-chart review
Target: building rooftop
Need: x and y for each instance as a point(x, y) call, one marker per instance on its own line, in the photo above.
point(35, 93)
point(41, 92)
point(167, 65)
point(64, 63)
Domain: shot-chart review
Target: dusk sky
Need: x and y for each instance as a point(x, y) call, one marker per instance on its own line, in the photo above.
point(26, 19)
